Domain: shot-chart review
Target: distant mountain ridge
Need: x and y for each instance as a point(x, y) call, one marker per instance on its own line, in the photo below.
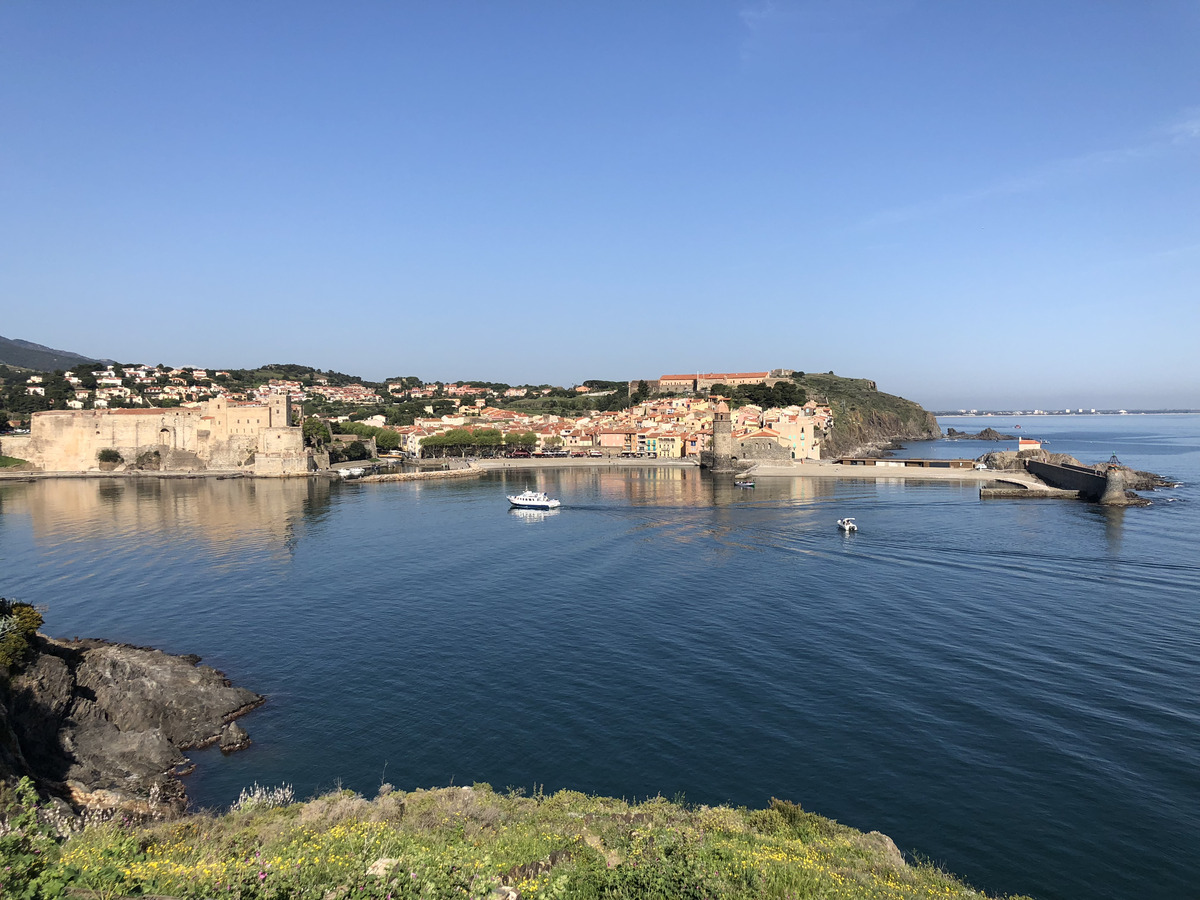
point(28, 355)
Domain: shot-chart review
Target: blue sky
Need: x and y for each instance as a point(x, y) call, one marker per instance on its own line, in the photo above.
point(974, 204)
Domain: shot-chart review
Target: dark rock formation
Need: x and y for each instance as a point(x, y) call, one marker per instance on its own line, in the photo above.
point(1136, 480)
point(988, 434)
point(860, 432)
point(233, 737)
point(1011, 459)
point(105, 725)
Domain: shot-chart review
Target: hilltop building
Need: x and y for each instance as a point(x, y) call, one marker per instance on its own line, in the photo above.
point(702, 382)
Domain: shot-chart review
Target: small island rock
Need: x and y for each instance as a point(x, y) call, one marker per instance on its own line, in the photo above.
point(988, 434)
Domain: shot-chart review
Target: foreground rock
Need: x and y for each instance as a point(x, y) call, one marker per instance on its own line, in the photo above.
point(105, 725)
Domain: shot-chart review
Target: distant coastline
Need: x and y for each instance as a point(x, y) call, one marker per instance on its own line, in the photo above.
point(1000, 413)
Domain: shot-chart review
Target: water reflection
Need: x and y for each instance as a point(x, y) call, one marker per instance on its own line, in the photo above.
point(1114, 522)
point(221, 512)
point(665, 486)
point(533, 515)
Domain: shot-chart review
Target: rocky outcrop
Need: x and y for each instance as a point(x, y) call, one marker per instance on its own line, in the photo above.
point(865, 418)
point(1011, 459)
point(1120, 481)
point(859, 432)
point(1134, 479)
point(105, 725)
point(988, 434)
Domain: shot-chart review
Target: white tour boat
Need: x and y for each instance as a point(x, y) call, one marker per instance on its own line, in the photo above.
point(533, 500)
point(847, 524)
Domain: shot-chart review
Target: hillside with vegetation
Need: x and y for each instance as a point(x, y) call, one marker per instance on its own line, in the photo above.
point(865, 418)
point(35, 357)
point(459, 842)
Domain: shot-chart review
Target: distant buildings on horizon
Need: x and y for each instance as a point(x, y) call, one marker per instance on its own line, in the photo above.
point(1078, 411)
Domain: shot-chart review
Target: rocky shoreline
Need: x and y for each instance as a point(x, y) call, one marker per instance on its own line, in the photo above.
point(104, 726)
point(1011, 460)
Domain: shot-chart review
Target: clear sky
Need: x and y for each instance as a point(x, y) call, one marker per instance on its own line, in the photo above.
point(986, 203)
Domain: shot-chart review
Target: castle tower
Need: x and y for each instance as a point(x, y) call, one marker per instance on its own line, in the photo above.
point(722, 445)
point(280, 406)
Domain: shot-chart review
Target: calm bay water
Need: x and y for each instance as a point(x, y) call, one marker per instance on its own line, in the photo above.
point(1008, 688)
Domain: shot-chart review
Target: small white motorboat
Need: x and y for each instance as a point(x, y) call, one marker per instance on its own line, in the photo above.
point(533, 500)
point(847, 524)
point(744, 483)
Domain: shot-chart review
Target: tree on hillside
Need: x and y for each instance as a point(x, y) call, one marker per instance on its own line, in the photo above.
point(618, 399)
point(316, 432)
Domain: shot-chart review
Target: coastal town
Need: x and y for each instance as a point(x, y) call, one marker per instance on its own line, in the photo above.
point(143, 420)
point(161, 418)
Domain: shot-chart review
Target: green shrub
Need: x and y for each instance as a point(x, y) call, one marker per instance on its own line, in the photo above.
point(18, 623)
point(109, 455)
point(28, 847)
point(803, 824)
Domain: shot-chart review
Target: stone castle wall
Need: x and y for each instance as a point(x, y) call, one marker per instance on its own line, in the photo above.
point(15, 445)
point(213, 435)
point(761, 449)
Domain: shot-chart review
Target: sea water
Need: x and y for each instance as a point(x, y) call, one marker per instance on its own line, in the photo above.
point(1007, 688)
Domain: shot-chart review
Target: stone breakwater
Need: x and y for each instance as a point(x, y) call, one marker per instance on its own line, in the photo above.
point(469, 472)
point(104, 725)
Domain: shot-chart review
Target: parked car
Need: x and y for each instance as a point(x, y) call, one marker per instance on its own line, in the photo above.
point(595, 453)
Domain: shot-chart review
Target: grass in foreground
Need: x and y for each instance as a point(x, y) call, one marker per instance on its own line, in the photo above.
point(474, 842)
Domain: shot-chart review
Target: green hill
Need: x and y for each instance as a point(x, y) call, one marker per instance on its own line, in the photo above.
point(28, 355)
point(864, 416)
